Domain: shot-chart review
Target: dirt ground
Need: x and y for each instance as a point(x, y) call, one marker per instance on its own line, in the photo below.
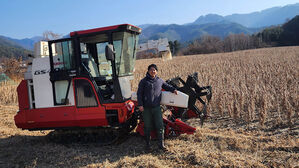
point(220, 143)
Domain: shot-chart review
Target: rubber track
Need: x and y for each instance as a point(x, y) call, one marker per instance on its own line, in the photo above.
point(100, 136)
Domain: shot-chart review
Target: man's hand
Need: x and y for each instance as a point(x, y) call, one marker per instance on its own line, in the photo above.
point(141, 108)
point(175, 92)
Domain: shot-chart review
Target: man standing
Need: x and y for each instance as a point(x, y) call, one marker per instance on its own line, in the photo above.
point(149, 96)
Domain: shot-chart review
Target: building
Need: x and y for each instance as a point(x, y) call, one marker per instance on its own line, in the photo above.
point(154, 49)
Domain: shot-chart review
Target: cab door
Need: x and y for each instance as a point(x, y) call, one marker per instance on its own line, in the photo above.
point(89, 113)
point(63, 69)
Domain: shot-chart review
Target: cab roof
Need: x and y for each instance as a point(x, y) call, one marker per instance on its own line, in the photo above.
point(121, 27)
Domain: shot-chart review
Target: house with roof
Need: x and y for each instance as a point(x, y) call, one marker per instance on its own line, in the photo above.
point(154, 49)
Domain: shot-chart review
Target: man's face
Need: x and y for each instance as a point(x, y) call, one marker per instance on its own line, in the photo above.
point(153, 72)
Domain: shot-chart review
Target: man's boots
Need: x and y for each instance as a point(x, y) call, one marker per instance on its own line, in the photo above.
point(147, 143)
point(161, 142)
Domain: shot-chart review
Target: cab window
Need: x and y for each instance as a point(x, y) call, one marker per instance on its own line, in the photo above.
point(63, 56)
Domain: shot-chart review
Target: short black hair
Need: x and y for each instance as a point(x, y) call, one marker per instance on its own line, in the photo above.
point(152, 65)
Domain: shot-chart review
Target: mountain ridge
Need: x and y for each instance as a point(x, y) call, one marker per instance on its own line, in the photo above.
point(11, 49)
point(212, 24)
point(267, 17)
point(185, 33)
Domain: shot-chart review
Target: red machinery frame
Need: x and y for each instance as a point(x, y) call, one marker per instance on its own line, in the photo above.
point(67, 116)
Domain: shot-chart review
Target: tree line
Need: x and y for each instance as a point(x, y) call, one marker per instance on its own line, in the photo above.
point(284, 35)
point(213, 44)
point(13, 52)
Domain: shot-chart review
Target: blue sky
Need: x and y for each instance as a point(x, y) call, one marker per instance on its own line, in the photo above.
point(28, 18)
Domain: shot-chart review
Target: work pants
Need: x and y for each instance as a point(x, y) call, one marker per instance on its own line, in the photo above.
point(152, 117)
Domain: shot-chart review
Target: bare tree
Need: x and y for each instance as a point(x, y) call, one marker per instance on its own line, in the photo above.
point(49, 35)
point(211, 44)
point(206, 44)
point(234, 42)
point(12, 67)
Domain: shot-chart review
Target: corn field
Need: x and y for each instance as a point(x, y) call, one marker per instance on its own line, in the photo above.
point(252, 85)
point(8, 93)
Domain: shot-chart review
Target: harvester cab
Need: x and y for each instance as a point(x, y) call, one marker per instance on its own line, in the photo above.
point(105, 56)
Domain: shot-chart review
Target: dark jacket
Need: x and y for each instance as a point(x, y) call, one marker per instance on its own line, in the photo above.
point(150, 91)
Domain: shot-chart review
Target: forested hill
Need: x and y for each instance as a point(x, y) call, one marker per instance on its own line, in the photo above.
point(221, 26)
point(284, 35)
point(190, 32)
point(10, 49)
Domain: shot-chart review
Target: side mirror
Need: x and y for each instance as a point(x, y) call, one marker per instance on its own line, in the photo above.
point(109, 51)
point(30, 55)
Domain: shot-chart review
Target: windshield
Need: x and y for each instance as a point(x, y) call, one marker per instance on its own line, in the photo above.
point(94, 58)
point(104, 65)
point(125, 45)
point(93, 55)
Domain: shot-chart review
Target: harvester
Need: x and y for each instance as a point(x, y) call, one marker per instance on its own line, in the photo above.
point(81, 85)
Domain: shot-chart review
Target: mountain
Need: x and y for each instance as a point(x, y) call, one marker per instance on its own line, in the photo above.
point(221, 26)
point(264, 18)
point(7, 42)
point(268, 17)
point(11, 49)
point(189, 32)
point(143, 26)
point(290, 33)
point(210, 18)
point(27, 43)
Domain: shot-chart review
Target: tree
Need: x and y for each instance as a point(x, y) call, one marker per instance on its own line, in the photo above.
point(290, 33)
point(171, 47)
point(12, 67)
point(49, 35)
point(176, 46)
point(271, 36)
point(234, 42)
point(211, 44)
point(206, 44)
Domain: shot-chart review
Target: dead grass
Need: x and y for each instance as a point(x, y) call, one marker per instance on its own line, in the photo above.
point(211, 146)
point(247, 85)
point(254, 120)
point(8, 93)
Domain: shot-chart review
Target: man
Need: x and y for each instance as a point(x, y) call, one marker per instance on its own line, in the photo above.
point(149, 96)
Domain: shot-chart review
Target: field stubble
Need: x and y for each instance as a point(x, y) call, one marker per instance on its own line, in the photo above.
point(254, 119)
point(247, 85)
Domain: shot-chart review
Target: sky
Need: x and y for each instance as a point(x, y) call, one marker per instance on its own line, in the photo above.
point(28, 18)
